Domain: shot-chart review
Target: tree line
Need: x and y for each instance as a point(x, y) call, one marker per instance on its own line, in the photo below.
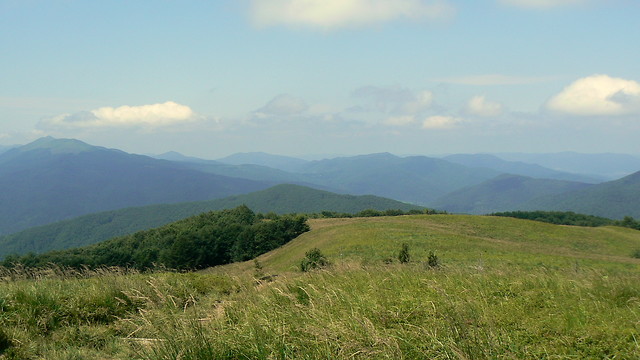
point(209, 239)
point(570, 218)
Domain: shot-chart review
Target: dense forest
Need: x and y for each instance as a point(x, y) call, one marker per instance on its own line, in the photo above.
point(209, 239)
point(570, 218)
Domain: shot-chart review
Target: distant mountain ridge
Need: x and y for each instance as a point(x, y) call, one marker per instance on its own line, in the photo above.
point(518, 168)
point(613, 199)
point(279, 162)
point(93, 228)
point(413, 179)
point(607, 166)
point(54, 179)
point(504, 193)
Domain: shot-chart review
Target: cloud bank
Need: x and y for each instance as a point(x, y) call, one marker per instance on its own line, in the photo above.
point(154, 115)
point(333, 14)
point(598, 95)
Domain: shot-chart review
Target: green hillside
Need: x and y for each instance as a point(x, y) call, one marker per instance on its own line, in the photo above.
point(93, 228)
point(504, 289)
point(464, 240)
point(503, 193)
point(613, 199)
point(209, 239)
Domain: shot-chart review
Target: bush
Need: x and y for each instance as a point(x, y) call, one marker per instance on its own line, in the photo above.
point(433, 260)
point(636, 254)
point(314, 259)
point(403, 255)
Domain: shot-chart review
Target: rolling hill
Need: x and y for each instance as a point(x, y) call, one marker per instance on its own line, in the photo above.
point(93, 228)
point(55, 179)
point(503, 193)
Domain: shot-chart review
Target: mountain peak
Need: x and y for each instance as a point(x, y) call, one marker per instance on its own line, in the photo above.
point(58, 146)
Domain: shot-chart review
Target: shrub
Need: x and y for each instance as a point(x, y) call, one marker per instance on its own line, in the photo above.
point(636, 254)
point(314, 259)
point(433, 260)
point(403, 255)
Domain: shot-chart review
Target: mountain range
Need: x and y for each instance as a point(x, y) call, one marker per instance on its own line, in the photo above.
point(613, 199)
point(51, 179)
point(505, 192)
point(519, 168)
point(93, 228)
point(55, 179)
point(604, 166)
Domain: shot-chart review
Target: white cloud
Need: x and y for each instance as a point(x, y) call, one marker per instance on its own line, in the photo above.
point(441, 122)
point(331, 14)
point(155, 115)
point(283, 105)
point(400, 120)
point(494, 79)
point(541, 4)
point(598, 95)
point(479, 106)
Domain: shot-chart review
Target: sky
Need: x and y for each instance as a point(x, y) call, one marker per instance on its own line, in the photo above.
point(301, 77)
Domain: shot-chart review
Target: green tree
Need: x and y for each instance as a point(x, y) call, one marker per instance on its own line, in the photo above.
point(404, 256)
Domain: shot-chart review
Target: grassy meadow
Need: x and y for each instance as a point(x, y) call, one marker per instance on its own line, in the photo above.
point(505, 288)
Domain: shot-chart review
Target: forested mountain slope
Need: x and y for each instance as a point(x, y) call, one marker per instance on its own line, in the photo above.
point(93, 228)
point(51, 180)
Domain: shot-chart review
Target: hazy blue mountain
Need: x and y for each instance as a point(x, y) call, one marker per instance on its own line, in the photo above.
point(614, 199)
point(503, 193)
point(280, 162)
point(607, 166)
point(413, 179)
point(176, 156)
point(55, 179)
point(5, 148)
point(517, 167)
point(93, 228)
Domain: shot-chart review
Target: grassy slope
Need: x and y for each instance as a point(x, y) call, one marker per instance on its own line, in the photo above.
point(508, 288)
point(463, 240)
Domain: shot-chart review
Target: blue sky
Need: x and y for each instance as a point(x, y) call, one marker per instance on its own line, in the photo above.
point(210, 78)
